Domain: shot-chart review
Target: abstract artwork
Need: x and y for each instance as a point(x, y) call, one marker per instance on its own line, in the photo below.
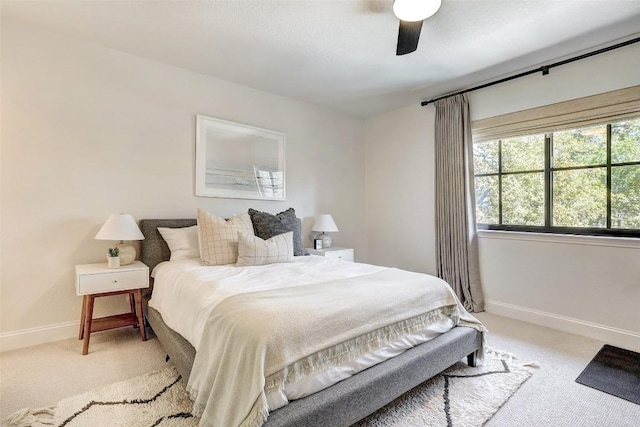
point(239, 161)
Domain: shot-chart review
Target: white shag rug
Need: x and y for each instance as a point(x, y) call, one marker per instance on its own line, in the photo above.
point(459, 397)
point(156, 399)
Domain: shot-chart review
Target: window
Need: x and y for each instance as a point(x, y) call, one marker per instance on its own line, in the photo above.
point(582, 180)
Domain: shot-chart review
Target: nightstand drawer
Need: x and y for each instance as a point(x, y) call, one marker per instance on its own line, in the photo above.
point(112, 281)
point(334, 252)
point(346, 254)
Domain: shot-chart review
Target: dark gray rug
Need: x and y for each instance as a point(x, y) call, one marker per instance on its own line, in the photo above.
point(615, 371)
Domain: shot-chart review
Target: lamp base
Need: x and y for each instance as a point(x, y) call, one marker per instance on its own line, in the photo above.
point(327, 241)
point(127, 253)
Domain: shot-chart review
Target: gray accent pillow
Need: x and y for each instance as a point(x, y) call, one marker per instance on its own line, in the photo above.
point(266, 225)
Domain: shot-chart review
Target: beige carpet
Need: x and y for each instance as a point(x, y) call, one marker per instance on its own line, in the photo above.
point(460, 397)
point(552, 398)
point(42, 375)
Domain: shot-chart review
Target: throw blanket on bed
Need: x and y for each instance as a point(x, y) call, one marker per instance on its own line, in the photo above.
point(255, 342)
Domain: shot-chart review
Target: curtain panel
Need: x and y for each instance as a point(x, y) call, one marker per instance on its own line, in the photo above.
point(456, 238)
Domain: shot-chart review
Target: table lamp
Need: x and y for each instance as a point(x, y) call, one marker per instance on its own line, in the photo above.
point(121, 227)
point(325, 224)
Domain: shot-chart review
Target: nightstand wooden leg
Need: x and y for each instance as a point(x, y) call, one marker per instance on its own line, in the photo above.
point(138, 311)
point(132, 302)
point(87, 324)
point(82, 317)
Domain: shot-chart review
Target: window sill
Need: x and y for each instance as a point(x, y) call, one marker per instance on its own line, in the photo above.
point(571, 239)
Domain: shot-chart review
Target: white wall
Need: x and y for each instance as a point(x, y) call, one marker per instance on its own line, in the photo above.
point(88, 131)
point(400, 189)
point(578, 284)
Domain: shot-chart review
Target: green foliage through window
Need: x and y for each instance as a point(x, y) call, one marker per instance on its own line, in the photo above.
point(583, 181)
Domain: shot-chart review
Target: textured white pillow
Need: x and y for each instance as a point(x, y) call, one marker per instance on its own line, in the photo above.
point(183, 242)
point(218, 238)
point(252, 250)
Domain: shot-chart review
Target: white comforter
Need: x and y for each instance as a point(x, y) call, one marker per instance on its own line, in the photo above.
point(186, 293)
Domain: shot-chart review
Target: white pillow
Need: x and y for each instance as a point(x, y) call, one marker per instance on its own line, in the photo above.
point(252, 250)
point(183, 242)
point(218, 238)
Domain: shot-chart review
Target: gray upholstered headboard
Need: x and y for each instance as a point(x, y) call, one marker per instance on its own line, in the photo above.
point(153, 249)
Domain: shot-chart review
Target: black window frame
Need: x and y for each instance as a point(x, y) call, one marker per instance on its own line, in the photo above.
point(548, 191)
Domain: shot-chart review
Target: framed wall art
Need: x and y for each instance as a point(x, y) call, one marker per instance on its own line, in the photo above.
point(238, 161)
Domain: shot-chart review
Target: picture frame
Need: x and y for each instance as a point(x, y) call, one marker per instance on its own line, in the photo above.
point(239, 161)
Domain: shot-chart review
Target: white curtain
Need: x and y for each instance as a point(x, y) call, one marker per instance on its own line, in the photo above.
point(456, 237)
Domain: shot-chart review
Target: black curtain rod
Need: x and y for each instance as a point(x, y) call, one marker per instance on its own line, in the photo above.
point(543, 69)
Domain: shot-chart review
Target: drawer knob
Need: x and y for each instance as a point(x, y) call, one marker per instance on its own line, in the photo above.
point(115, 281)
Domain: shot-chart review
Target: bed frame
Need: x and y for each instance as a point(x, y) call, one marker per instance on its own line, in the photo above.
point(347, 401)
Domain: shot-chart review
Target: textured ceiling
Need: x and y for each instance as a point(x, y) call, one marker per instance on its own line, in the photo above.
point(341, 53)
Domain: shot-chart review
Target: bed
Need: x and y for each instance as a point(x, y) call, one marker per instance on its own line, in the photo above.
point(345, 402)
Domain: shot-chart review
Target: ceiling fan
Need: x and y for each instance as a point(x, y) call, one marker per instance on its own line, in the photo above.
point(412, 14)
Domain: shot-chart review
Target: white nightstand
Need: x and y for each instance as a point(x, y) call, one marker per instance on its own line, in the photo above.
point(334, 252)
point(96, 280)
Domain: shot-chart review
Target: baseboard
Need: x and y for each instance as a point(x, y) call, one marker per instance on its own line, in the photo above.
point(41, 335)
point(614, 336)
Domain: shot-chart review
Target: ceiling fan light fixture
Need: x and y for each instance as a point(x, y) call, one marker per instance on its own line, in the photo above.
point(415, 10)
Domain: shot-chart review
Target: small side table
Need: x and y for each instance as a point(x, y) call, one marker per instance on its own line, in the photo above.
point(334, 252)
point(95, 281)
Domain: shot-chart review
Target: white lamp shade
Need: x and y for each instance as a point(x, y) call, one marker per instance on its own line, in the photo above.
point(120, 227)
point(415, 10)
point(325, 223)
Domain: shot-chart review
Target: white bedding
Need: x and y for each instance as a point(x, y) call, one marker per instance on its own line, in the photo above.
point(185, 293)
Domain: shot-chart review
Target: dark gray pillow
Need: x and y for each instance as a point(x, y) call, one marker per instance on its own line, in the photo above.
point(266, 225)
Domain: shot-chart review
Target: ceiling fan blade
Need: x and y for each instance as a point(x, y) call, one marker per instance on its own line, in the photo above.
point(408, 36)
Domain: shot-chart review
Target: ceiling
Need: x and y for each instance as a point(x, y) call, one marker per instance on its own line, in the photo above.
point(341, 53)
